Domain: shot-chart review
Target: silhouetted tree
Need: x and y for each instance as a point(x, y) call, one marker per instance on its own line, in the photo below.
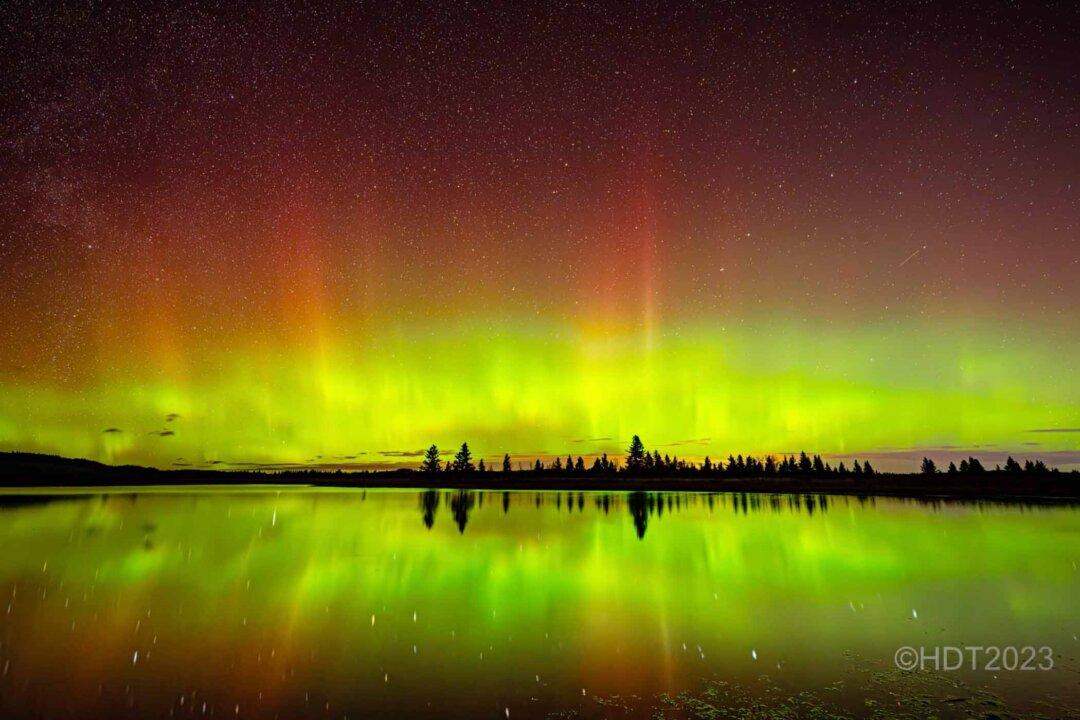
point(569, 464)
point(557, 465)
point(539, 466)
point(506, 463)
point(635, 456)
point(463, 459)
point(431, 462)
point(928, 466)
point(1011, 465)
point(480, 466)
point(867, 470)
point(579, 466)
point(952, 468)
point(805, 464)
point(856, 468)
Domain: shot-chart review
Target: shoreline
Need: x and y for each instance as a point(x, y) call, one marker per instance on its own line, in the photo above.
point(26, 473)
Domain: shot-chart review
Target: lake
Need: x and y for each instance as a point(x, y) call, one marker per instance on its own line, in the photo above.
point(326, 603)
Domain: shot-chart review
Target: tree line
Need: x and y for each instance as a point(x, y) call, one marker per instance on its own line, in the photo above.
point(972, 466)
point(640, 462)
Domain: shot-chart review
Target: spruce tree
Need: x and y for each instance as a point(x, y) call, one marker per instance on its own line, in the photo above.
point(463, 459)
point(431, 462)
point(635, 456)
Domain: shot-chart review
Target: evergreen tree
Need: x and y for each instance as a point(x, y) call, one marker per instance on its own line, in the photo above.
point(635, 456)
point(706, 465)
point(569, 464)
point(557, 465)
point(539, 467)
point(928, 466)
point(506, 463)
point(805, 465)
point(463, 459)
point(579, 466)
point(867, 470)
point(480, 466)
point(431, 462)
point(856, 468)
point(952, 468)
point(1011, 465)
point(770, 465)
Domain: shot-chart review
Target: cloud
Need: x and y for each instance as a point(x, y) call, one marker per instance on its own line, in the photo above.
point(172, 416)
point(402, 453)
point(597, 439)
point(161, 433)
point(323, 467)
point(111, 431)
point(1054, 430)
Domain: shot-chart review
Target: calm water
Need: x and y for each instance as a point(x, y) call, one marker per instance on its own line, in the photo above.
point(309, 603)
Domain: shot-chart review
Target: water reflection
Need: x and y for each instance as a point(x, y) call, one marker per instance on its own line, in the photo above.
point(644, 506)
point(287, 603)
point(461, 504)
point(429, 505)
point(639, 511)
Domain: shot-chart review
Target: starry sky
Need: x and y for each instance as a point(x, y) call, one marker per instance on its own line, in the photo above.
point(236, 235)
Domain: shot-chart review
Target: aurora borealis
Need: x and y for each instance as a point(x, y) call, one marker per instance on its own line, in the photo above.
point(271, 236)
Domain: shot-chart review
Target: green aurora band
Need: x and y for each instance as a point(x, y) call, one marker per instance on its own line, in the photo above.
point(540, 390)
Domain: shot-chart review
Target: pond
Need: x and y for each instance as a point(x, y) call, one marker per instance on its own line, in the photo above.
point(328, 603)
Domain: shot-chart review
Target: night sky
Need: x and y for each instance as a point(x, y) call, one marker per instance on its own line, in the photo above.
point(235, 234)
